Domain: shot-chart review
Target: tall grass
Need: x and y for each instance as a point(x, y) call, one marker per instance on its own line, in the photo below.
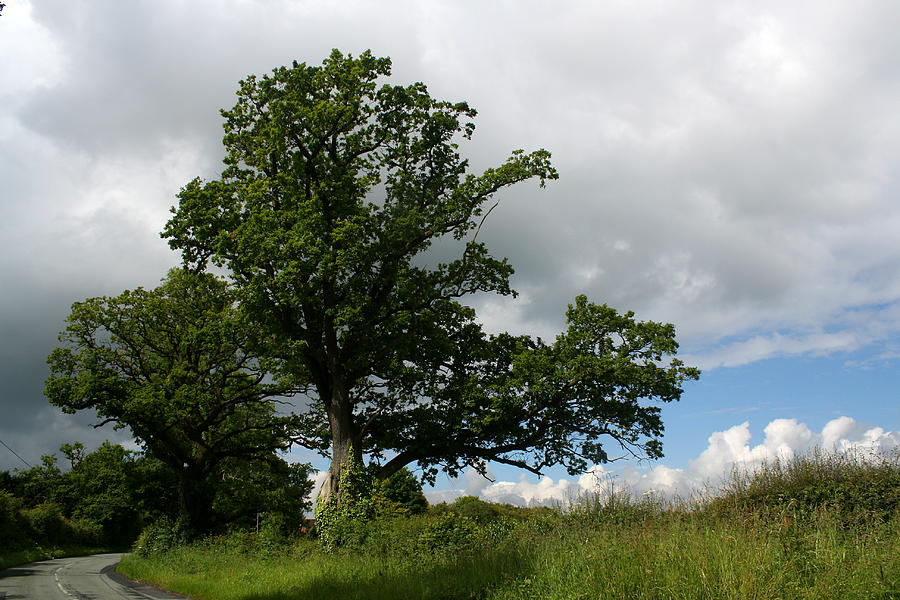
point(303, 571)
point(743, 545)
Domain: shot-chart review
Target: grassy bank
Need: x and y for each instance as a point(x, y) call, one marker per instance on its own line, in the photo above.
point(772, 536)
point(665, 556)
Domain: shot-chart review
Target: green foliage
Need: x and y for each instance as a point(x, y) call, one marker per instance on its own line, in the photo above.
point(46, 522)
point(675, 553)
point(342, 520)
point(160, 537)
point(399, 495)
point(74, 453)
point(39, 484)
point(449, 533)
point(853, 486)
point(101, 487)
point(175, 366)
point(274, 489)
point(474, 508)
point(48, 526)
point(155, 488)
point(530, 398)
point(113, 488)
point(117, 492)
point(13, 526)
point(98, 492)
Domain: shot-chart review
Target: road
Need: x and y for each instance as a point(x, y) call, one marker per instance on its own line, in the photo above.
point(79, 578)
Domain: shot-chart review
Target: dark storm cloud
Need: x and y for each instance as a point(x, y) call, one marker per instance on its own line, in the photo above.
point(30, 317)
point(110, 108)
point(729, 167)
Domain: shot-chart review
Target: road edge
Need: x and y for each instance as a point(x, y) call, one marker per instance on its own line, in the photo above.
point(148, 590)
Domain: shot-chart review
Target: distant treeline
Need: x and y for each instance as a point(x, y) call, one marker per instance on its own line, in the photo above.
point(106, 497)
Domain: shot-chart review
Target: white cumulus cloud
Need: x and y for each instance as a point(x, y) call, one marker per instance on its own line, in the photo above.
point(725, 451)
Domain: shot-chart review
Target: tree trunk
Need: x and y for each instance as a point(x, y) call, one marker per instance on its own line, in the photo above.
point(344, 442)
point(195, 503)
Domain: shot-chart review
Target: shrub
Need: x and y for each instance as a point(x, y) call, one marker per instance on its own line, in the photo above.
point(235, 542)
point(13, 526)
point(854, 486)
point(449, 534)
point(48, 527)
point(160, 537)
point(272, 534)
point(474, 508)
point(46, 523)
point(400, 495)
point(84, 532)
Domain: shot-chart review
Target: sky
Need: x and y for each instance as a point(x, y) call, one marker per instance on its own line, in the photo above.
point(729, 167)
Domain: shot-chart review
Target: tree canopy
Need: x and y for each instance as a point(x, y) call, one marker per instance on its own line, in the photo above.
point(173, 364)
point(336, 184)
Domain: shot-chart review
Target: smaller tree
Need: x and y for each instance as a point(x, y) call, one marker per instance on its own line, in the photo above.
point(75, 453)
point(400, 494)
point(39, 484)
point(102, 488)
point(174, 365)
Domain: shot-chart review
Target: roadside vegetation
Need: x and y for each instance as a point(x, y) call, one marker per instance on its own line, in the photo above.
point(42, 532)
point(47, 513)
point(103, 499)
point(821, 526)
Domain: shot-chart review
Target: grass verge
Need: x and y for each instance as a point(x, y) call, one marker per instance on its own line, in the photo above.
point(817, 528)
point(669, 555)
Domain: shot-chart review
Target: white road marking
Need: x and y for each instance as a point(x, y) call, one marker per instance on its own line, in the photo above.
point(77, 580)
point(59, 583)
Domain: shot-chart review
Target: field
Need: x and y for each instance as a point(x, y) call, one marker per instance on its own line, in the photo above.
point(815, 528)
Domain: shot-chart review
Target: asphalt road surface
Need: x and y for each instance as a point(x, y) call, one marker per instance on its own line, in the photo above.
point(79, 578)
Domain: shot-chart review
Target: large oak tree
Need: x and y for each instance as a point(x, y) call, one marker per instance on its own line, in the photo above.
point(336, 185)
